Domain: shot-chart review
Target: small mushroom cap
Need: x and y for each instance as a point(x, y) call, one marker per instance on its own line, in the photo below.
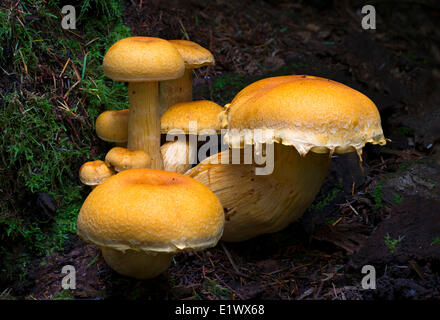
point(153, 211)
point(309, 113)
point(123, 159)
point(95, 172)
point(194, 55)
point(204, 112)
point(140, 59)
point(112, 126)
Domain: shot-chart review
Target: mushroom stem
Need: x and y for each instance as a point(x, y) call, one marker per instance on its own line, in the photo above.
point(137, 264)
point(175, 91)
point(176, 155)
point(259, 204)
point(144, 120)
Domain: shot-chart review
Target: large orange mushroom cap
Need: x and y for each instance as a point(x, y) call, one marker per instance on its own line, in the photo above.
point(293, 114)
point(309, 113)
point(152, 211)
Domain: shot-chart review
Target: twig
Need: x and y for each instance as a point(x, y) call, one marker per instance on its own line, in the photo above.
point(354, 210)
point(316, 295)
point(233, 263)
point(416, 268)
point(91, 41)
point(337, 221)
point(334, 291)
point(24, 63)
point(64, 68)
point(226, 285)
point(70, 89)
point(185, 34)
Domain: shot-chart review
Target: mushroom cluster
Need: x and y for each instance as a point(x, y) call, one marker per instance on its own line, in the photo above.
point(155, 196)
point(138, 214)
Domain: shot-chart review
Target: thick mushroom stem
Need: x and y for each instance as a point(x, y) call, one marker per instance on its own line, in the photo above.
point(178, 155)
point(259, 204)
point(137, 264)
point(175, 91)
point(144, 120)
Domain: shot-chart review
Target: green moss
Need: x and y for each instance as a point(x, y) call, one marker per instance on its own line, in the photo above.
point(377, 194)
point(46, 133)
point(397, 199)
point(226, 86)
point(63, 295)
point(215, 290)
point(435, 241)
point(392, 243)
point(404, 131)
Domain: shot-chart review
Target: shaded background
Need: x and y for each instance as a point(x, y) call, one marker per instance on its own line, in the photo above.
point(52, 89)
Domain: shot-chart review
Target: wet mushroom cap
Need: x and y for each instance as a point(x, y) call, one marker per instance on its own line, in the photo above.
point(203, 112)
point(112, 126)
point(152, 211)
point(123, 159)
point(309, 113)
point(194, 55)
point(139, 59)
point(95, 172)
